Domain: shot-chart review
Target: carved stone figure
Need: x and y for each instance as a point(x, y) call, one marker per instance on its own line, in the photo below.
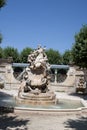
point(36, 79)
point(81, 85)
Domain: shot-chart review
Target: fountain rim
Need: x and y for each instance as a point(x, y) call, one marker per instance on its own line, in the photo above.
point(56, 110)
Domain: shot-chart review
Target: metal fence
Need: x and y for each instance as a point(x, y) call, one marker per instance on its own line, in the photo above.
point(59, 77)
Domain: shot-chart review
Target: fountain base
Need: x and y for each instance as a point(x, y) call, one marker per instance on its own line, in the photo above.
point(37, 99)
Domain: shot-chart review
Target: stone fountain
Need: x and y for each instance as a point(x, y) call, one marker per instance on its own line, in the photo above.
point(34, 88)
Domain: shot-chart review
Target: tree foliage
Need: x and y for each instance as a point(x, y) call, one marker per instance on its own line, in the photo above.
point(2, 3)
point(24, 54)
point(1, 38)
point(67, 57)
point(1, 52)
point(54, 57)
point(79, 49)
point(11, 52)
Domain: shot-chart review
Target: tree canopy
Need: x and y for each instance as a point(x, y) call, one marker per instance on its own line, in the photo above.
point(1, 38)
point(11, 52)
point(67, 57)
point(1, 52)
point(2, 3)
point(24, 54)
point(79, 49)
point(54, 56)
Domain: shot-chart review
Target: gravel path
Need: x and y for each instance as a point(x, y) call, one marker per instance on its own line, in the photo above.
point(25, 121)
point(35, 121)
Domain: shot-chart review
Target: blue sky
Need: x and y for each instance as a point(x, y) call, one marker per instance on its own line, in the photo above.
point(51, 23)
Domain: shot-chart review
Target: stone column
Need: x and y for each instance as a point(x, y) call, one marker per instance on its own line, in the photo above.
point(55, 76)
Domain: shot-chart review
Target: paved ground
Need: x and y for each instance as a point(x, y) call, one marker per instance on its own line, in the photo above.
point(24, 121)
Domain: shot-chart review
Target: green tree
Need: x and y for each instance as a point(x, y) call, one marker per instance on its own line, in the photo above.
point(11, 52)
point(1, 52)
point(2, 3)
point(24, 54)
point(1, 38)
point(79, 49)
point(54, 56)
point(67, 57)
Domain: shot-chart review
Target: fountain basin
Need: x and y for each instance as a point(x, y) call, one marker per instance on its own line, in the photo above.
point(66, 105)
point(62, 104)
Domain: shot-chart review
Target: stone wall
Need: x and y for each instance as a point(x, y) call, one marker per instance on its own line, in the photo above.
point(6, 74)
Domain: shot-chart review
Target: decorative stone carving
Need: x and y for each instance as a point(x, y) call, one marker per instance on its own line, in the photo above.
point(34, 87)
point(81, 85)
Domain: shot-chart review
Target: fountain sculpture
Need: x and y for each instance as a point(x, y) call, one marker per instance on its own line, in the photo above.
point(34, 88)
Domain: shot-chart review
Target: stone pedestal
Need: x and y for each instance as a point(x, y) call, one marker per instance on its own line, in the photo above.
point(41, 99)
